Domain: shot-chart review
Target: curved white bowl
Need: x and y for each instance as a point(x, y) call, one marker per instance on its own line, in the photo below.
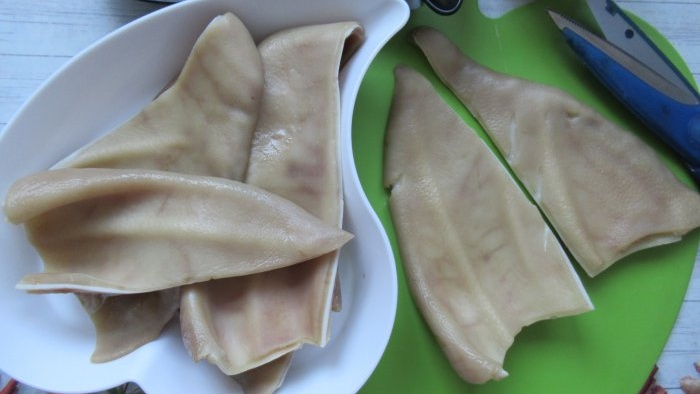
point(46, 340)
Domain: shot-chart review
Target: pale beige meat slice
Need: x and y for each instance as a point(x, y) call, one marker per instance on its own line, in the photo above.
point(606, 192)
point(127, 321)
point(203, 123)
point(481, 262)
point(218, 317)
point(131, 231)
point(267, 378)
point(245, 322)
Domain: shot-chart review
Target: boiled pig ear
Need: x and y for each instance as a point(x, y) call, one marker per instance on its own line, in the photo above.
point(480, 260)
point(125, 322)
point(203, 123)
point(606, 192)
point(295, 155)
point(267, 378)
point(132, 231)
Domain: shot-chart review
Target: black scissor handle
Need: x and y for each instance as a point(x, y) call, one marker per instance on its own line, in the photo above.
point(444, 7)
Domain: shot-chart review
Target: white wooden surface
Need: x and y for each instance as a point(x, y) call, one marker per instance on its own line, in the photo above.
point(38, 37)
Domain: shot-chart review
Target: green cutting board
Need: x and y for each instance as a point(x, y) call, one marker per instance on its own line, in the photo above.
point(610, 350)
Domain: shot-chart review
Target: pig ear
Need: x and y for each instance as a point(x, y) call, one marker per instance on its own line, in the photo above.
point(480, 259)
point(266, 378)
point(203, 123)
point(132, 231)
point(127, 321)
point(295, 154)
point(605, 191)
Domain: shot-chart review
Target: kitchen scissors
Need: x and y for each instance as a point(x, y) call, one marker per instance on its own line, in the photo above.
point(633, 68)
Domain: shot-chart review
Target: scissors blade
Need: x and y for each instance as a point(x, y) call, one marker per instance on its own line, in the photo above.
point(669, 111)
point(620, 30)
point(631, 63)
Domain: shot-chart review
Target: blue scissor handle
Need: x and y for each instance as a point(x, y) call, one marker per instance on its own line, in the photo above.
point(676, 123)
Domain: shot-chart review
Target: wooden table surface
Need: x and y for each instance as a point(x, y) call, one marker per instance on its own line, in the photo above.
point(37, 37)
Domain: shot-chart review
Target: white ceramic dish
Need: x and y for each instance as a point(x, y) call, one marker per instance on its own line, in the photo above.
point(46, 340)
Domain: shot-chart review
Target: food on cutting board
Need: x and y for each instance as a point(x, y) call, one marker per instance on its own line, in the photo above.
point(244, 322)
point(480, 260)
point(606, 193)
point(156, 204)
point(121, 231)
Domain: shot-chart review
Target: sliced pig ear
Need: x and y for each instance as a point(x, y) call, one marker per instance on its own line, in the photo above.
point(203, 123)
point(606, 192)
point(125, 322)
point(266, 378)
point(133, 231)
point(295, 155)
point(480, 260)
